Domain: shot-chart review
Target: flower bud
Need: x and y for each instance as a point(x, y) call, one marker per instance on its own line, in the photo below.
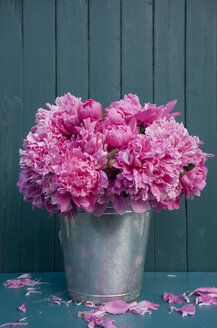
point(90, 109)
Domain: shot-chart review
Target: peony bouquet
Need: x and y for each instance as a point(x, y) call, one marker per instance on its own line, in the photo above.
point(131, 155)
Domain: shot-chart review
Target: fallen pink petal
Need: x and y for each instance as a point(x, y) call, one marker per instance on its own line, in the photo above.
point(185, 310)
point(14, 324)
point(171, 298)
point(21, 281)
point(25, 276)
point(90, 304)
point(185, 298)
point(55, 298)
point(30, 292)
point(22, 308)
point(67, 302)
point(206, 300)
point(98, 321)
point(116, 307)
point(211, 291)
point(144, 307)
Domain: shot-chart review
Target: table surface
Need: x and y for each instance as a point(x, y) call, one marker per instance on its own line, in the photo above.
point(41, 312)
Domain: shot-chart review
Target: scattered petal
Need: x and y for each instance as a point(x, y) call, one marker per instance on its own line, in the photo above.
point(55, 298)
point(14, 324)
point(171, 298)
point(22, 308)
point(22, 319)
point(185, 298)
point(21, 281)
point(32, 292)
point(206, 300)
point(210, 291)
point(116, 307)
point(185, 310)
point(25, 276)
point(144, 307)
point(67, 302)
point(90, 304)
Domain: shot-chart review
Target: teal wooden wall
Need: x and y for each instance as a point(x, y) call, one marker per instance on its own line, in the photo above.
point(158, 49)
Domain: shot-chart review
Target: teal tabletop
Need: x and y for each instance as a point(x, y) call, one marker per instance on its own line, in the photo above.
point(41, 312)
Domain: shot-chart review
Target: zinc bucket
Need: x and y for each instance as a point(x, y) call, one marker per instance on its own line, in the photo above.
point(104, 256)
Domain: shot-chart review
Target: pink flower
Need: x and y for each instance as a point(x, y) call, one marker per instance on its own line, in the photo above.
point(90, 109)
point(120, 135)
point(148, 171)
point(152, 113)
point(78, 176)
point(75, 157)
point(128, 107)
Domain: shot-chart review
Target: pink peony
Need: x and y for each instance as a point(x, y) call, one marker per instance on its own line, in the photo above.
point(78, 176)
point(90, 109)
point(75, 157)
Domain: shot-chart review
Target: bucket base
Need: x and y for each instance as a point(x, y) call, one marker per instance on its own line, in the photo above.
point(99, 299)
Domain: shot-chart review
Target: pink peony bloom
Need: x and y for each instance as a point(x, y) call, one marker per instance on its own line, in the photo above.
point(78, 176)
point(120, 135)
point(90, 109)
point(75, 157)
point(128, 107)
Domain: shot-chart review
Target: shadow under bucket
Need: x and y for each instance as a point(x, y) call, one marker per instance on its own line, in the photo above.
point(104, 257)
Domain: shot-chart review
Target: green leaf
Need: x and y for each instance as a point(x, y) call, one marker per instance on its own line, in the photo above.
point(112, 153)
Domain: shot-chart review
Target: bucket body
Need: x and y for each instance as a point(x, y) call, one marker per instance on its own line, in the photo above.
point(104, 257)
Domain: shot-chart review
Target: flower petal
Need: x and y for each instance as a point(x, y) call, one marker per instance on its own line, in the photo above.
point(171, 298)
point(14, 324)
point(22, 308)
point(143, 307)
point(206, 300)
point(185, 310)
point(116, 307)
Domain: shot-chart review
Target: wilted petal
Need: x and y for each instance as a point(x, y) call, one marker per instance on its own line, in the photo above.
point(90, 304)
point(25, 276)
point(171, 298)
point(185, 298)
point(32, 292)
point(185, 310)
point(22, 308)
point(116, 307)
point(14, 324)
point(55, 298)
point(211, 291)
point(206, 300)
point(144, 307)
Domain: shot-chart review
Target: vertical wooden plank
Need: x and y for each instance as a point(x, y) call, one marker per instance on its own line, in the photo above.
point(169, 77)
point(137, 68)
point(72, 64)
point(39, 88)
point(11, 116)
point(104, 42)
point(137, 60)
point(201, 120)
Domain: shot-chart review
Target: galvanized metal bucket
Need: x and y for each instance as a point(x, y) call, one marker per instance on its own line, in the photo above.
point(104, 257)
